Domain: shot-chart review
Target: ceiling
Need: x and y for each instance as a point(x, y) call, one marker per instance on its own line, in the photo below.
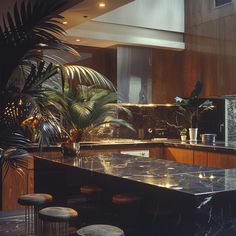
point(85, 11)
point(125, 22)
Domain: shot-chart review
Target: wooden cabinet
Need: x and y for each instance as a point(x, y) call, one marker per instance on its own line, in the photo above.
point(201, 158)
point(14, 184)
point(220, 160)
point(178, 154)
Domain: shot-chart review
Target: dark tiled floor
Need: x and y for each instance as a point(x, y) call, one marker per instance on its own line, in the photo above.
point(12, 223)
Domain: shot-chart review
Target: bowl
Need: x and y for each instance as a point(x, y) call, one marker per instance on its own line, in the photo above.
point(208, 138)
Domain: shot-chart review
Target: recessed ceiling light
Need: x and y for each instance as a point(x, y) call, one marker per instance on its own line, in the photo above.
point(77, 40)
point(102, 4)
point(64, 22)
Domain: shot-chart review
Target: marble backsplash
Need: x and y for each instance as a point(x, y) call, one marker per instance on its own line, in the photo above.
point(163, 117)
point(230, 120)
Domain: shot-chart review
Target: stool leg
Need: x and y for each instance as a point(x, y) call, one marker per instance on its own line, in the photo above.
point(29, 218)
point(36, 219)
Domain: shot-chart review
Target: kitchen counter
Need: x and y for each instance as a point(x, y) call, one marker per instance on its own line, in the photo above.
point(219, 146)
point(189, 199)
point(185, 178)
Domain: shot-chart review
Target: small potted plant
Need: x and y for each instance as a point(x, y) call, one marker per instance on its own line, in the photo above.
point(183, 134)
point(190, 109)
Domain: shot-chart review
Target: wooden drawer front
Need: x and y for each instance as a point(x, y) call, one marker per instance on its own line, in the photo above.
point(200, 158)
point(219, 160)
point(179, 155)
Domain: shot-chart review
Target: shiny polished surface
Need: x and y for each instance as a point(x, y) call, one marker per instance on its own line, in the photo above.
point(185, 178)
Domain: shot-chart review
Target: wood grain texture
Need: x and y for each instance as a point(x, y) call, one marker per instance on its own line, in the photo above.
point(178, 154)
point(210, 47)
point(219, 160)
point(15, 184)
point(200, 158)
point(167, 75)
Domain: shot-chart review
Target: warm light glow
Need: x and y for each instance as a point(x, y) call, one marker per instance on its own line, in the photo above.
point(64, 22)
point(200, 176)
point(102, 4)
point(77, 40)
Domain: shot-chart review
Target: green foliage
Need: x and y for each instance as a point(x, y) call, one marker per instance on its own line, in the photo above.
point(190, 109)
point(90, 108)
point(36, 91)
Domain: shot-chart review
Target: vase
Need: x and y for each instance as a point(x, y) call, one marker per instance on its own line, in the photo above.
point(183, 138)
point(193, 134)
point(70, 149)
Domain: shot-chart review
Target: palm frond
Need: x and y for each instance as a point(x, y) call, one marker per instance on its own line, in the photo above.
point(14, 158)
point(13, 139)
point(25, 28)
point(87, 76)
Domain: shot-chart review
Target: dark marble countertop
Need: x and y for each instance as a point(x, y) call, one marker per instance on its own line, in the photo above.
point(218, 146)
point(185, 178)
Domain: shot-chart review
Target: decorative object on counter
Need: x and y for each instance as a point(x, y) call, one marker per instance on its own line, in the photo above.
point(183, 134)
point(70, 149)
point(208, 138)
point(190, 109)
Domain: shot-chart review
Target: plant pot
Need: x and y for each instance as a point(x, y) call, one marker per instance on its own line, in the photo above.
point(70, 149)
point(183, 138)
point(193, 134)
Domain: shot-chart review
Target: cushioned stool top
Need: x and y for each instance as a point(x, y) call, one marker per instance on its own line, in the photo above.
point(34, 199)
point(125, 198)
point(100, 230)
point(90, 189)
point(57, 213)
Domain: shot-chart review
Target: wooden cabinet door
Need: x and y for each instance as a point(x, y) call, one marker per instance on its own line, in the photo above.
point(178, 154)
point(220, 160)
point(156, 153)
point(200, 158)
point(14, 184)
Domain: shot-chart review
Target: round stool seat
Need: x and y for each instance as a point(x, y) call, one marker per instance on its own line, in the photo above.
point(90, 189)
point(57, 214)
point(125, 199)
point(34, 199)
point(100, 230)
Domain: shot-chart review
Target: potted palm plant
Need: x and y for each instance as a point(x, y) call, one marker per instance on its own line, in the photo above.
point(191, 109)
point(35, 88)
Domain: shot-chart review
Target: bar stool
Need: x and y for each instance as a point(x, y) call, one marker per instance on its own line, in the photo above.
point(100, 230)
point(126, 207)
point(33, 202)
point(90, 189)
point(125, 199)
point(55, 220)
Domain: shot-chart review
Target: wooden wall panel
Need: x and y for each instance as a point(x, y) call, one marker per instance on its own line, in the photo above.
point(210, 53)
point(167, 75)
point(103, 60)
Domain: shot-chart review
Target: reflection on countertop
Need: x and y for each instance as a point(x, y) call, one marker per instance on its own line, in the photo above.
point(184, 178)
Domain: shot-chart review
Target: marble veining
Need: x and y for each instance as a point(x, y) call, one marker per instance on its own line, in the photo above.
point(186, 178)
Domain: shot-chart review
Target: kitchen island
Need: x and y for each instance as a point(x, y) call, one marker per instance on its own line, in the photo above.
point(176, 197)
